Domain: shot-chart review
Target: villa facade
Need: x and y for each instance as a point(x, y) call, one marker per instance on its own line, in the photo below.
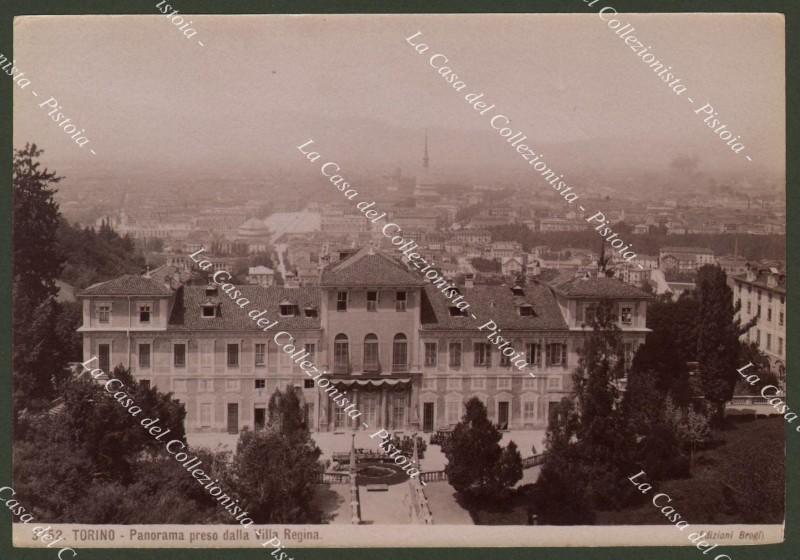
point(403, 353)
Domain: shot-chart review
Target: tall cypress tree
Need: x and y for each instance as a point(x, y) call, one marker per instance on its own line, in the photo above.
point(717, 338)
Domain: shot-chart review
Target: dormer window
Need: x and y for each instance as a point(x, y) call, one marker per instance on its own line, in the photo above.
point(518, 291)
point(400, 301)
point(456, 312)
point(144, 313)
point(372, 300)
point(211, 291)
point(209, 310)
point(526, 310)
point(311, 312)
point(288, 309)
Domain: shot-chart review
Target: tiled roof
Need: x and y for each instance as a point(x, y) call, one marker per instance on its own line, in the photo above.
point(369, 268)
point(127, 285)
point(496, 303)
point(596, 287)
point(186, 314)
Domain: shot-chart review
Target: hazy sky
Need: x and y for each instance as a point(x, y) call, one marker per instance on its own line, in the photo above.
point(263, 84)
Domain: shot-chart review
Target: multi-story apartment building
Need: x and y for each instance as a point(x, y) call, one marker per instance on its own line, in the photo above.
point(403, 353)
point(762, 293)
point(685, 259)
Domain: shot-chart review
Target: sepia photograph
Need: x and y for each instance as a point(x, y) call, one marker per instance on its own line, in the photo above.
point(287, 281)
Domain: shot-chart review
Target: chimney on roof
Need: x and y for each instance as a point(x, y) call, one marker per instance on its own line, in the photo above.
point(469, 280)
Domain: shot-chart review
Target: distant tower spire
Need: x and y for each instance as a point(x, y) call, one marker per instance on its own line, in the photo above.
point(425, 158)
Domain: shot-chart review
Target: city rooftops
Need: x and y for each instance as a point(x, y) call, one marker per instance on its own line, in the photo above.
point(597, 287)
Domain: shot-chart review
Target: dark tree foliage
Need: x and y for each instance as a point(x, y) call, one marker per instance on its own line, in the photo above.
point(670, 345)
point(96, 255)
point(37, 260)
point(643, 403)
point(43, 329)
point(275, 470)
point(590, 450)
point(87, 460)
point(749, 353)
point(477, 466)
point(717, 338)
point(285, 414)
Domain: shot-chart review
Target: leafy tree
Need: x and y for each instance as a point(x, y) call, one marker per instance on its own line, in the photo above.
point(37, 261)
point(717, 338)
point(589, 438)
point(476, 464)
point(275, 475)
point(286, 415)
point(670, 345)
point(749, 353)
point(37, 351)
point(643, 401)
point(105, 465)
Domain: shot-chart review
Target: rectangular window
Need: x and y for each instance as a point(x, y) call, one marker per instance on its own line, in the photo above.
point(205, 415)
point(626, 315)
point(478, 383)
point(529, 411)
point(209, 311)
point(504, 383)
point(454, 351)
point(144, 356)
point(372, 301)
point(780, 319)
point(104, 313)
point(144, 313)
point(780, 346)
point(233, 355)
point(482, 354)
point(556, 354)
point(260, 354)
point(533, 354)
point(769, 314)
point(104, 357)
point(758, 337)
point(341, 301)
point(311, 348)
point(371, 349)
point(769, 342)
point(308, 383)
point(554, 382)
point(589, 312)
point(430, 354)
point(179, 355)
point(261, 383)
point(759, 310)
point(505, 361)
point(400, 301)
point(749, 307)
point(144, 383)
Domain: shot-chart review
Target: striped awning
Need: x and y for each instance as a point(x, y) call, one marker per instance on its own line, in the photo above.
point(372, 382)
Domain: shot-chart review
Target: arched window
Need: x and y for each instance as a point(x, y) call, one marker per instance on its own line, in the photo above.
point(371, 356)
point(341, 354)
point(400, 353)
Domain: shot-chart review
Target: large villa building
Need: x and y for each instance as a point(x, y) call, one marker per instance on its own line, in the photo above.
point(388, 338)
